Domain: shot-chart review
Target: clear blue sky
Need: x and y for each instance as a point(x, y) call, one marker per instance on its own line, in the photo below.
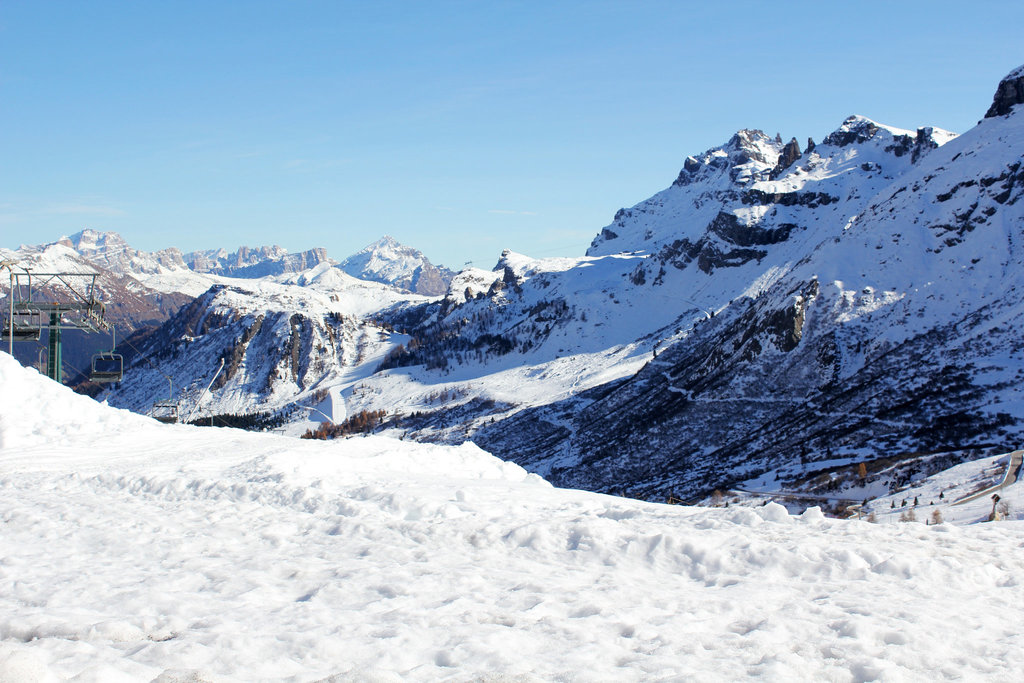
point(460, 128)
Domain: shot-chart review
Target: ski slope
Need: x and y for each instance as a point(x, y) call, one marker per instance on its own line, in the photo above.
point(136, 551)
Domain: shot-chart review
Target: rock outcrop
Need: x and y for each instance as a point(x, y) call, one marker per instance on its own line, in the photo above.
point(790, 153)
point(1010, 92)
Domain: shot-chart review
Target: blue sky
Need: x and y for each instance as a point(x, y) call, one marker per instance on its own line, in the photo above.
point(460, 128)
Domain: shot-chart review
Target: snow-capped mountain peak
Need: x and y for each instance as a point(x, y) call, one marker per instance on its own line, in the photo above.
point(109, 250)
point(254, 261)
point(391, 262)
point(735, 186)
point(91, 241)
point(748, 156)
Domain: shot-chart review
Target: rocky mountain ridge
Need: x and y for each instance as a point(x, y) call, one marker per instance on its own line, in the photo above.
point(256, 262)
point(773, 308)
point(142, 290)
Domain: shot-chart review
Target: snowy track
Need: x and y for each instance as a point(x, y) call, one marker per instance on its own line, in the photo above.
point(1013, 466)
point(131, 550)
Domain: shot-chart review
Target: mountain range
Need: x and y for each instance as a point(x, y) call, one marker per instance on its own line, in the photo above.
point(780, 310)
point(141, 290)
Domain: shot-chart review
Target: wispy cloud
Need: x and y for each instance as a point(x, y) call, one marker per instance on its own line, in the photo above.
point(510, 212)
point(84, 210)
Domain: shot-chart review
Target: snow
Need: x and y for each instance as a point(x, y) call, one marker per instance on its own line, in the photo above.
point(135, 551)
point(387, 261)
point(1015, 74)
point(955, 485)
point(350, 295)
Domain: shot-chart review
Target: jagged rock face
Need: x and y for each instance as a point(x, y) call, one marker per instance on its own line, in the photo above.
point(790, 153)
point(755, 170)
point(897, 332)
point(108, 250)
point(429, 280)
point(389, 262)
point(748, 156)
point(1009, 93)
point(278, 344)
point(254, 263)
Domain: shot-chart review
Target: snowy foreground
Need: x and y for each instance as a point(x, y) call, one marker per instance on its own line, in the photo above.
point(134, 551)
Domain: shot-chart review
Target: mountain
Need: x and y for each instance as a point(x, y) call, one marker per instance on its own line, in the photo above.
point(390, 262)
point(879, 315)
point(130, 305)
point(255, 263)
point(773, 308)
point(142, 290)
point(108, 250)
point(780, 310)
point(283, 344)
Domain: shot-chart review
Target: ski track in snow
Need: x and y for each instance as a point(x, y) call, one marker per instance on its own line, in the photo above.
point(131, 550)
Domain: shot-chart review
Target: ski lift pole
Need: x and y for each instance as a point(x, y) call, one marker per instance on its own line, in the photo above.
point(9, 265)
point(194, 409)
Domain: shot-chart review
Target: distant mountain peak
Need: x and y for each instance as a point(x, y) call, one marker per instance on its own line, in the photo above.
point(389, 261)
point(91, 241)
point(255, 261)
point(385, 241)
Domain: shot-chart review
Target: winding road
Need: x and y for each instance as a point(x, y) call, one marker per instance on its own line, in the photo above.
point(1011, 475)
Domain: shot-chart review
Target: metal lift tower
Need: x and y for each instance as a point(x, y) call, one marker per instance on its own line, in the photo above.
point(55, 302)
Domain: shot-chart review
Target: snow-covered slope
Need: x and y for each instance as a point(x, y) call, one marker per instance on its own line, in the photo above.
point(774, 305)
point(139, 551)
point(282, 345)
point(886, 326)
point(390, 262)
point(109, 250)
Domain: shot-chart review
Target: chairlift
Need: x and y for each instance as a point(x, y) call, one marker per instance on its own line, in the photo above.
point(107, 366)
point(22, 327)
point(20, 333)
point(165, 411)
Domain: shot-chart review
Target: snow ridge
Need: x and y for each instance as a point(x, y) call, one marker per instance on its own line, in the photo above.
point(142, 551)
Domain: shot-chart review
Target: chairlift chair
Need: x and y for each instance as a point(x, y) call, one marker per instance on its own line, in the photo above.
point(165, 411)
point(20, 333)
point(107, 366)
point(23, 327)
